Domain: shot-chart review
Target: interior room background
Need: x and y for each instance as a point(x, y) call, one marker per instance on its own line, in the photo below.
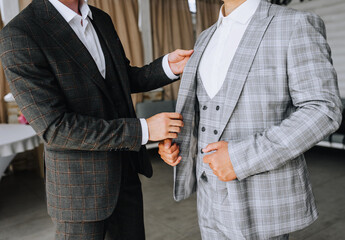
point(151, 28)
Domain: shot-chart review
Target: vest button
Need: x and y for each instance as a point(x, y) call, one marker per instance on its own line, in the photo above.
point(201, 151)
point(217, 108)
point(215, 132)
point(203, 129)
point(204, 108)
point(204, 176)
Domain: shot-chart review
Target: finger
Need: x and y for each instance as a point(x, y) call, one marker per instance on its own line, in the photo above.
point(207, 159)
point(223, 179)
point(172, 158)
point(174, 129)
point(173, 164)
point(186, 59)
point(172, 149)
point(174, 115)
point(184, 53)
point(183, 64)
point(214, 167)
point(176, 123)
point(167, 161)
point(177, 162)
point(167, 143)
point(211, 166)
point(166, 146)
point(161, 148)
point(211, 147)
point(169, 156)
point(164, 151)
point(175, 159)
point(172, 135)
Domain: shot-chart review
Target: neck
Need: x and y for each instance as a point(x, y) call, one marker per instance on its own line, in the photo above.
point(72, 4)
point(231, 5)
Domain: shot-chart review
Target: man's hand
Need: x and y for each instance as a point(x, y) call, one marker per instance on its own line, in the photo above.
point(219, 161)
point(164, 125)
point(178, 60)
point(169, 154)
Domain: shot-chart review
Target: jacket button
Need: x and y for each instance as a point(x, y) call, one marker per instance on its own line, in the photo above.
point(201, 151)
point(203, 129)
point(204, 108)
point(217, 108)
point(215, 132)
point(204, 177)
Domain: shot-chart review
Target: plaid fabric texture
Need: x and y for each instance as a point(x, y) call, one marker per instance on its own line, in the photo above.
point(126, 222)
point(209, 113)
point(282, 98)
point(59, 89)
point(216, 216)
point(79, 231)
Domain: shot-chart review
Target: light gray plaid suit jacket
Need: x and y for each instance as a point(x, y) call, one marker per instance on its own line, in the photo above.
point(282, 99)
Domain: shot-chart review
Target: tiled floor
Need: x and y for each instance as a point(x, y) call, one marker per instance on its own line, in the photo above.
point(23, 213)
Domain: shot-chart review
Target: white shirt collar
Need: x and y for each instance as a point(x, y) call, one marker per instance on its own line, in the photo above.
point(68, 14)
point(241, 14)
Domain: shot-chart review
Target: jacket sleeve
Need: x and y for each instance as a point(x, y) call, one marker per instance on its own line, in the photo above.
point(148, 77)
point(315, 96)
point(141, 79)
point(42, 102)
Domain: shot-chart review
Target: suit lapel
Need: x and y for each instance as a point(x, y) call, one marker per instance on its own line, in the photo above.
point(243, 59)
point(199, 51)
point(188, 81)
point(55, 25)
point(114, 45)
point(184, 173)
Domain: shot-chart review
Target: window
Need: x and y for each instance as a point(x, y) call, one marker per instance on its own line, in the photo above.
point(192, 9)
point(192, 6)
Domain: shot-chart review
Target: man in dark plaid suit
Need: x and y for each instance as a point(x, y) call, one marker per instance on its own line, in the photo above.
point(71, 79)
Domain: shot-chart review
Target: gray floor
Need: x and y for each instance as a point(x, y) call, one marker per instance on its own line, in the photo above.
point(23, 214)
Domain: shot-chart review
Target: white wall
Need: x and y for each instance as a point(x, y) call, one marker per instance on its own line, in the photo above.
point(333, 14)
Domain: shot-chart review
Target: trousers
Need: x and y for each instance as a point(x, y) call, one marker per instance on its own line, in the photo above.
point(125, 223)
point(214, 214)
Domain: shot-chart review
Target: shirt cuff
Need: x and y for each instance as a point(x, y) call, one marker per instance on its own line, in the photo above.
point(167, 68)
point(145, 131)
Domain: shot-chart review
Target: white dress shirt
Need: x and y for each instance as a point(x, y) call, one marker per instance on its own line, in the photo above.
point(82, 26)
point(84, 29)
point(223, 45)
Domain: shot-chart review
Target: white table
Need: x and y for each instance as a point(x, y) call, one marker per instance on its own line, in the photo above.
point(14, 139)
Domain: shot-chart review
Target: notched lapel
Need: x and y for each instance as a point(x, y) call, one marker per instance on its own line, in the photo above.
point(200, 49)
point(243, 59)
point(55, 25)
point(188, 81)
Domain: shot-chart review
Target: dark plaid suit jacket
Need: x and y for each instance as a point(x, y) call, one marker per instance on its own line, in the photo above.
point(59, 89)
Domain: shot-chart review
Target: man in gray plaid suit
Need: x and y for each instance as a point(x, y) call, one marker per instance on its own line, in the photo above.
point(258, 92)
point(71, 79)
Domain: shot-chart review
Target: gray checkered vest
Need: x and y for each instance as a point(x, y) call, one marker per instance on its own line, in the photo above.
point(210, 115)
